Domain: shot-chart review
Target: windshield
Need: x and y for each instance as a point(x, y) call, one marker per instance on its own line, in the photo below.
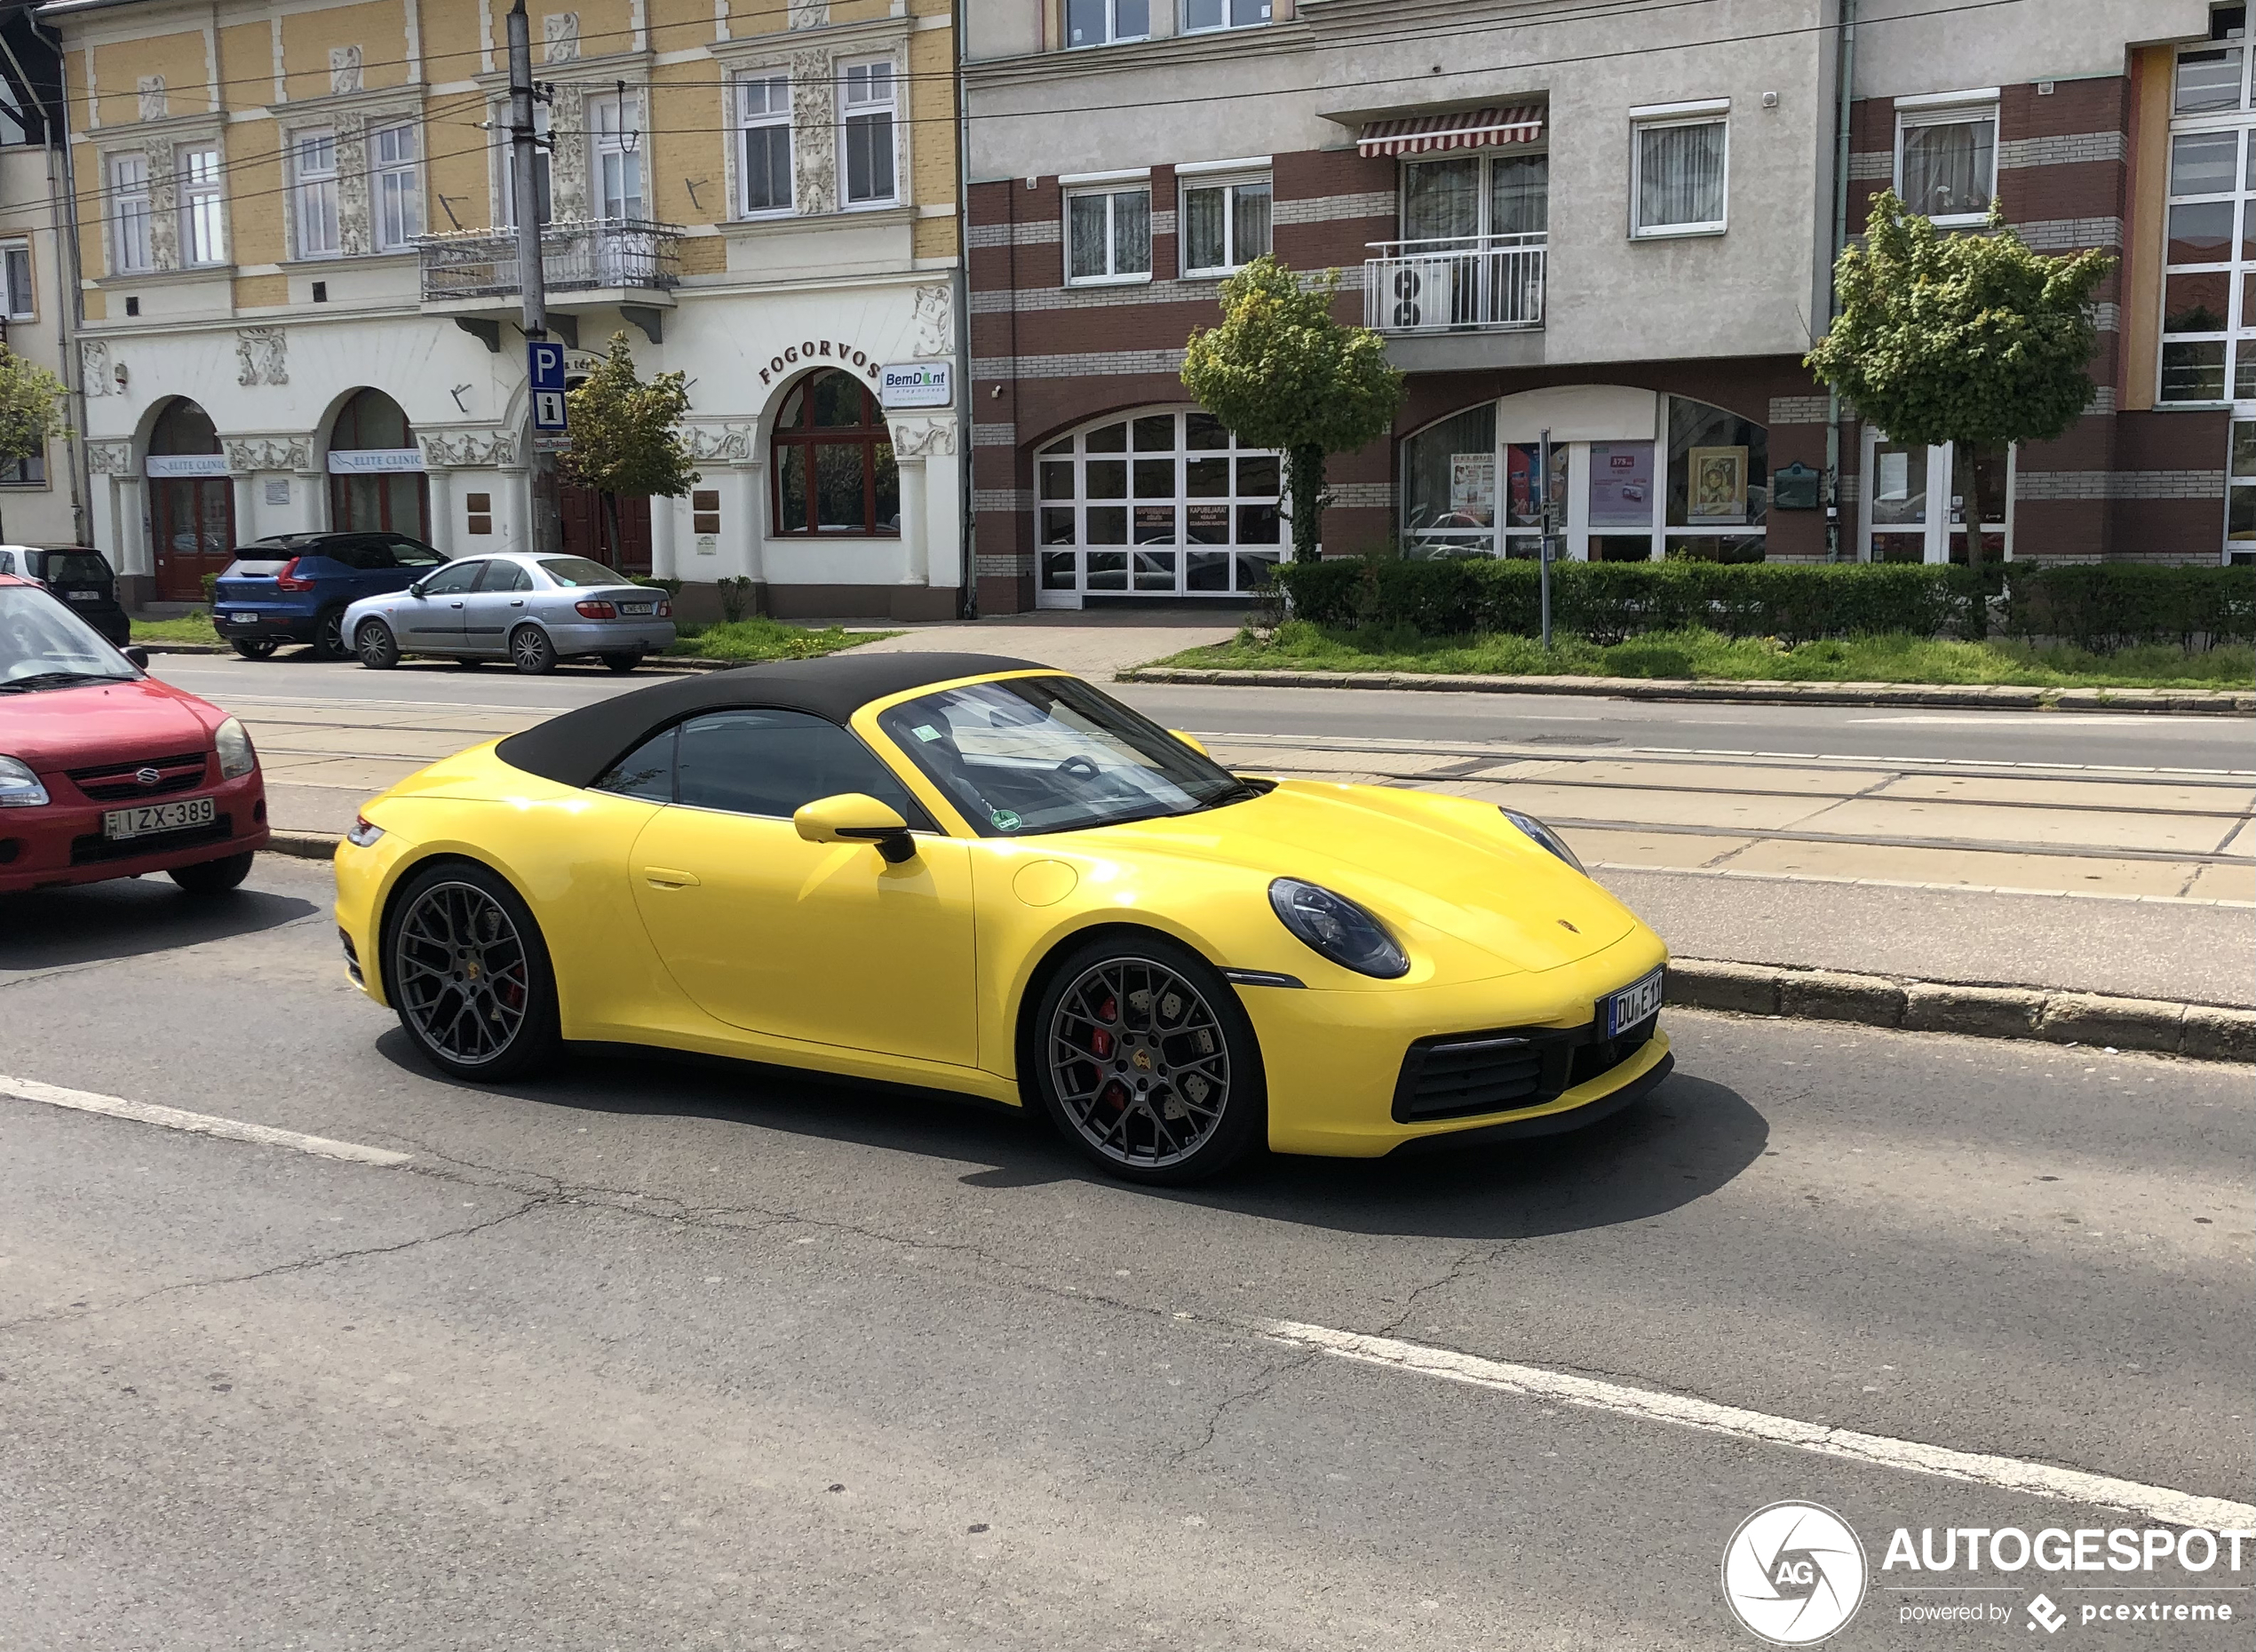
point(1042, 754)
point(577, 571)
point(44, 644)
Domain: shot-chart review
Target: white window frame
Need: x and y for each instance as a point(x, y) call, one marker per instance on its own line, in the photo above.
point(132, 209)
point(1187, 181)
point(1228, 9)
point(607, 144)
point(1949, 108)
point(1110, 188)
point(395, 197)
point(1113, 32)
point(313, 193)
point(203, 213)
point(22, 306)
point(770, 118)
point(862, 110)
point(1664, 118)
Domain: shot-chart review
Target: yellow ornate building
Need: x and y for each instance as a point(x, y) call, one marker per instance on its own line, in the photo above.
point(300, 289)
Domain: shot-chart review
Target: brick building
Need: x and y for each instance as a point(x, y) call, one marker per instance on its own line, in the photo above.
point(1615, 224)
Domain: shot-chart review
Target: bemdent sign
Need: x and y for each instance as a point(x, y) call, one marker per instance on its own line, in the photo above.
point(917, 384)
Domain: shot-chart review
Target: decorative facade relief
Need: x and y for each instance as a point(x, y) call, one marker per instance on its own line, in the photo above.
point(935, 334)
point(922, 438)
point(730, 443)
point(110, 458)
point(164, 216)
point(560, 37)
point(96, 375)
point(453, 449)
point(155, 106)
point(262, 356)
point(567, 160)
point(815, 134)
point(267, 453)
point(344, 70)
point(355, 227)
point(810, 13)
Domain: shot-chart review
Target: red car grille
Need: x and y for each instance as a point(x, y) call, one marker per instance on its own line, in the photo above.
point(119, 783)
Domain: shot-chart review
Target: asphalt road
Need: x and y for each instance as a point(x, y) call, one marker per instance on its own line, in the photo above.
point(655, 1354)
point(2077, 739)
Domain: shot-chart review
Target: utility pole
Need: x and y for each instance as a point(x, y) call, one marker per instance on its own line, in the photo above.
point(1546, 511)
point(547, 524)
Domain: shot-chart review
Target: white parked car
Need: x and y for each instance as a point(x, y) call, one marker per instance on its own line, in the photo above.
point(528, 609)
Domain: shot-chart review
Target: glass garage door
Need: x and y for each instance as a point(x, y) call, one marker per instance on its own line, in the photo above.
point(1156, 504)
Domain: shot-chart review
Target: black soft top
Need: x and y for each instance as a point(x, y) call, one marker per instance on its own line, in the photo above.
point(576, 747)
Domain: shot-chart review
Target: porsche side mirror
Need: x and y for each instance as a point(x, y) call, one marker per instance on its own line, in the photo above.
point(1191, 740)
point(138, 656)
point(856, 817)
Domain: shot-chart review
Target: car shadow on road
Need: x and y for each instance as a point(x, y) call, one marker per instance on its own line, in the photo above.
point(1685, 1140)
point(46, 929)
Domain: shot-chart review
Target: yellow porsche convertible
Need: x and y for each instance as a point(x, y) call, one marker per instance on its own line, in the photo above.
point(978, 875)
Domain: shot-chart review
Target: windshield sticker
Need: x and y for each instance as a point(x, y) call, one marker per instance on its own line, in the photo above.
point(925, 731)
point(1004, 820)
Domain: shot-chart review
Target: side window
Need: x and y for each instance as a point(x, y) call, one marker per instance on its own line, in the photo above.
point(774, 762)
point(370, 556)
point(412, 553)
point(506, 577)
point(454, 580)
point(647, 771)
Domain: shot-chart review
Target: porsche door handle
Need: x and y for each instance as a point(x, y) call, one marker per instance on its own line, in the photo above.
point(666, 878)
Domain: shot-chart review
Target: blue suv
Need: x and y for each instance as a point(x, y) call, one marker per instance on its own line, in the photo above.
point(295, 587)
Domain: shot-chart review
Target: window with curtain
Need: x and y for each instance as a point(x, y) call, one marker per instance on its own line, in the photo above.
point(615, 124)
point(15, 263)
point(835, 471)
point(1680, 186)
point(869, 116)
point(1468, 197)
point(1109, 234)
point(1201, 14)
point(1225, 224)
point(764, 103)
point(398, 191)
point(316, 156)
point(197, 174)
point(1947, 162)
point(129, 210)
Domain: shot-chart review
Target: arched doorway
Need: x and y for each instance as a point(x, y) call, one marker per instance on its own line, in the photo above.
point(192, 504)
point(375, 481)
point(833, 459)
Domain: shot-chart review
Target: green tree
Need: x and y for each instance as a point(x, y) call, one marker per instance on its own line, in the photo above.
point(1969, 338)
point(626, 438)
point(1282, 372)
point(31, 408)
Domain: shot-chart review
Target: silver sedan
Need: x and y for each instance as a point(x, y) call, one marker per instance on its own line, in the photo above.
point(530, 610)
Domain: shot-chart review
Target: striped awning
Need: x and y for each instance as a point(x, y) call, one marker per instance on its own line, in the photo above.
point(1467, 128)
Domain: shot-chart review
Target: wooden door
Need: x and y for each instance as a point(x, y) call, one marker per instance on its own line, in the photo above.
point(582, 509)
point(192, 526)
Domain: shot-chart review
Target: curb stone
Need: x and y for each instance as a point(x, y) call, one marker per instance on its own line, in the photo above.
point(1978, 696)
point(656, 662)
point(2206, 1032)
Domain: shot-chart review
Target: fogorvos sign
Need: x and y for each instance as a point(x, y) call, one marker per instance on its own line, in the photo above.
point(817, 351)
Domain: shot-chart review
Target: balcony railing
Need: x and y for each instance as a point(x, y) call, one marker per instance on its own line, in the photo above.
point(1486, 283)
point(577, 255)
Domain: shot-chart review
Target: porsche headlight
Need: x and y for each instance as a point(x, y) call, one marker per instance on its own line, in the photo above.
point(1543, 836)
point(19, 787)
point(1338, 928)
point(236, 758)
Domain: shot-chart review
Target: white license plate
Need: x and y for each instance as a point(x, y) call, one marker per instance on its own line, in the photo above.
point(244, 619)
point(85, 596)
point(158, 817)
point(1631, 1004)
point(634, 608)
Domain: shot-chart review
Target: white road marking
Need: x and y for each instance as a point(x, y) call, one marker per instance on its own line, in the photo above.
point(2006, 1473)
point(196, 1124)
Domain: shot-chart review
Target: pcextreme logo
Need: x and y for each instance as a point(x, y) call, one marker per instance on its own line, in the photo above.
point(1793, 1573)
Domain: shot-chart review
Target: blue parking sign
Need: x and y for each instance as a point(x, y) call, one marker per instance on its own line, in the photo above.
point(545, 361)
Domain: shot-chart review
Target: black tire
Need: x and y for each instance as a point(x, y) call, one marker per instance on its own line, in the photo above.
point(621, 663)
point(378, 648)
point(254, 647)
point(211, 878)
point(329, 636)
point(1127, 1082)
point(531, 652)
point(468, 974)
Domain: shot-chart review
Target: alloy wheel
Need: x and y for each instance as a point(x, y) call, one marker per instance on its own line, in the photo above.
point(1140, 1062)
point(463, 976)
point(530, 651)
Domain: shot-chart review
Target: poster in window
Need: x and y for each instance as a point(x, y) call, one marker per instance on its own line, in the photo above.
point(1718, 485)
point(1895, 477)
point(1621, 484)
point(1473, 491)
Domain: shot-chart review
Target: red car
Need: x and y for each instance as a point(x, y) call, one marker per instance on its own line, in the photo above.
point(105, 772)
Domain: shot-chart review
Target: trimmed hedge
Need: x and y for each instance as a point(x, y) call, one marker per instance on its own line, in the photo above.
point(2100, 605)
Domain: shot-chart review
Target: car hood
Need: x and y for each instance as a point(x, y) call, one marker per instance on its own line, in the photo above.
point(1445, 873)
point(93, 723)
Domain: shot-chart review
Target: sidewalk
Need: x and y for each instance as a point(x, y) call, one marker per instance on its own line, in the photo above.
point(1089, 642)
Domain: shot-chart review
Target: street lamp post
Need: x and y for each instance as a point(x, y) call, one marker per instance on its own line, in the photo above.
point(540, 459)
